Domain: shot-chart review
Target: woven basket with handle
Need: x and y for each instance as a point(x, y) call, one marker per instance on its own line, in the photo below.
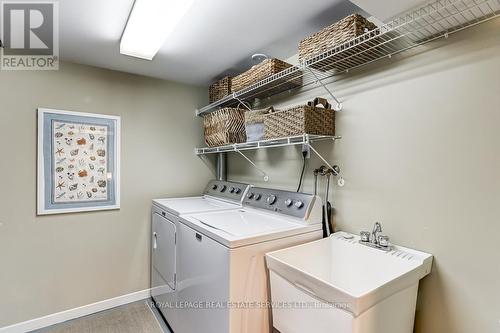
point(348, 28)
point(261, 71)
point(224, 126)
point(302, 119)
point(219, 89)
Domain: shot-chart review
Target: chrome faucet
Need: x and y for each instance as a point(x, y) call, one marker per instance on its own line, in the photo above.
point(375, 240)
point(377, 228)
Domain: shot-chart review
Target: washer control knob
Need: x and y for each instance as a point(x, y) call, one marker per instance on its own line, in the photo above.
point(271, 199)
point(237, 190)
point(258, 196)
point(250, 195)
point(299, 204)
point(288, 202)
point(223, 188)
point(214, 187)
point(232, 189)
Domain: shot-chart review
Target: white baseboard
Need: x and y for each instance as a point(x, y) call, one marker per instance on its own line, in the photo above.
point(81, 311)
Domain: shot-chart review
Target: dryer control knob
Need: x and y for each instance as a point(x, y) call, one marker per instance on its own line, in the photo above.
point(299, 204)
point(250, 195)
point(288, 202)
point(214, 187)
point(258, 196)
point(231, 189)
point(223, 188)
point(237, 191)
point(271, 199)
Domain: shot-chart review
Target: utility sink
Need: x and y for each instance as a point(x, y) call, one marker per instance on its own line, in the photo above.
point(339, 283)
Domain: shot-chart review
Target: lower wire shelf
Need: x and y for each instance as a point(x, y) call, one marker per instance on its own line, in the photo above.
point(305, 139)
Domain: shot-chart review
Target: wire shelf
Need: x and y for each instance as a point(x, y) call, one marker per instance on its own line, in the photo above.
point(281, 142)
point(435, 20)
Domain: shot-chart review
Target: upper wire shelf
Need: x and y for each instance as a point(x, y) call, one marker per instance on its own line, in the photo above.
point(435, 20)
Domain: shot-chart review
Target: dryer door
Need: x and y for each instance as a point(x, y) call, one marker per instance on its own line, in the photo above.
point(163, 248)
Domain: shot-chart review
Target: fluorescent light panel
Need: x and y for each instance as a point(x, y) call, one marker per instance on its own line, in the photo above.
point(149, 25)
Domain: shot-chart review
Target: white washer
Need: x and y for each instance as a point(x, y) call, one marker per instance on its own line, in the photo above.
point(222, 284)
point(218, 196)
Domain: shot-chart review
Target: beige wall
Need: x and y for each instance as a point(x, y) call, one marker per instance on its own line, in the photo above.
point(421, 153)
point(53, 263)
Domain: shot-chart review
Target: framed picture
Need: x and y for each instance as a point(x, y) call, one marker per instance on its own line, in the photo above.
point(78, 162)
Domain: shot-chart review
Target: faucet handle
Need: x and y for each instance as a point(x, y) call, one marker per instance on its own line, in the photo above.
point(365, 236)
point(383, 241)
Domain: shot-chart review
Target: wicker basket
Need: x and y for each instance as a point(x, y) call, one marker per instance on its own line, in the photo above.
point(224, 126)
point(254, 123)
point(259, 72)
point(302, 119)
point(219, 89)
point(348, 28)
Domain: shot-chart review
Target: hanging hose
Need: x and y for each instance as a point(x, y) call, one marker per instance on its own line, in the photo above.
point(315, 182)
point(327, 206)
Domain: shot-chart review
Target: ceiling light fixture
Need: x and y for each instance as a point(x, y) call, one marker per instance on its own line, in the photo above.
point(149, 25)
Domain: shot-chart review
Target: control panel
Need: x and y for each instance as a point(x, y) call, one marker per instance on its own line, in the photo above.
point(284, 202)
point(226, 190)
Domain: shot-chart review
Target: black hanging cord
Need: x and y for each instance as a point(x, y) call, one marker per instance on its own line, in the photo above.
point(304, 154)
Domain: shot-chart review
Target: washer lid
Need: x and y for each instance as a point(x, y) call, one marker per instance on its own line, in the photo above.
point(190, 205)
point(244, 227)
point(242, 223)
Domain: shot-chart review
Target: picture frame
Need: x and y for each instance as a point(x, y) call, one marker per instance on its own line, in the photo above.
point(78, 162)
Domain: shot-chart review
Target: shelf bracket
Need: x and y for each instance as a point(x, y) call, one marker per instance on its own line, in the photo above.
point(266, 177)
point(338, 106)
point(245, 104)
point(335, 168)
point(320, 156)
point(207, 162)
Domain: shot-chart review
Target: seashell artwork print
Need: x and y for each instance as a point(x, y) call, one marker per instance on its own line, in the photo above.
point(74, 144)
point(78, 161)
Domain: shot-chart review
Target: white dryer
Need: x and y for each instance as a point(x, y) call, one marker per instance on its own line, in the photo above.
point(222, 284)
point(218, 196)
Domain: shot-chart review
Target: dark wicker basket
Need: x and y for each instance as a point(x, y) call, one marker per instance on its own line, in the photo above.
point(220, 89)
point(261, 71)
point(348, 28)
point(302, 119)
point(224, 126)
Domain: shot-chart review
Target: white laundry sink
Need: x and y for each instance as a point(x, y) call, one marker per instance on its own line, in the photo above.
point(339, 283)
